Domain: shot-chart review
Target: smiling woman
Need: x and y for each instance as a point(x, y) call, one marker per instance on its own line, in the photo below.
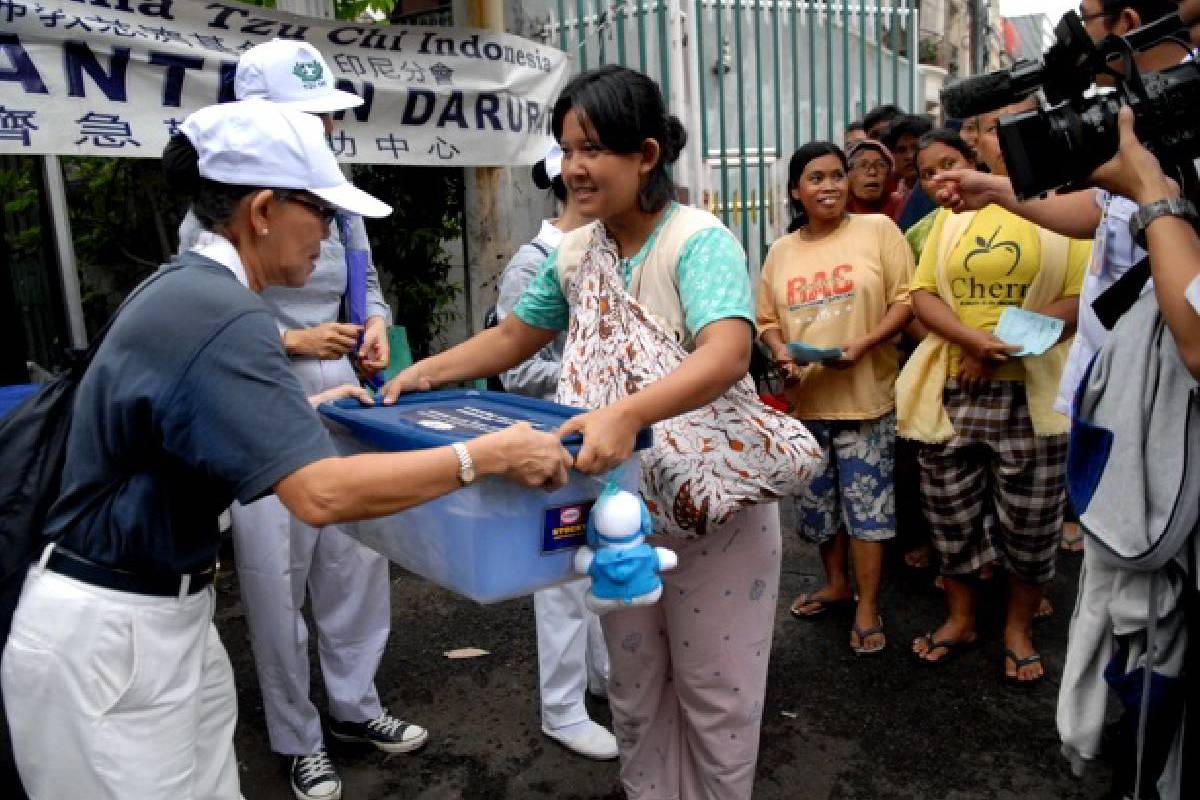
point(840, 281)
point(679, 333)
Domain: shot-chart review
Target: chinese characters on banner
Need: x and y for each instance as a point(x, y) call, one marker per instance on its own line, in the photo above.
point(118, 77)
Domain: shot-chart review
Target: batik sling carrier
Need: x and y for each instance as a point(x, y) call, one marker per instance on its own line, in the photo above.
point(703, 465)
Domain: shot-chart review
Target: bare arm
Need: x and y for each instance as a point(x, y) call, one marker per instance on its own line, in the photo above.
point(1175, 262)
point(1171, 242)
point(941, 319)
point(898, 316)
point(773, 339)
point(375, 484)
point(483, 355)
point(1074, 215)
point(1066, 309)
point(721, 358)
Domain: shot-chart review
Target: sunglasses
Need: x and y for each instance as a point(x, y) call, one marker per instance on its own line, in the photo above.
point(326, 213)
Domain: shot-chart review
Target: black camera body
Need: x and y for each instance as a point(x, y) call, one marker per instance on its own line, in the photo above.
point(1058, 145)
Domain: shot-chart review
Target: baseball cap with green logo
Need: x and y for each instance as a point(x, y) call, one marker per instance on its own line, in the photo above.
point(259, 143)
point(291, 73)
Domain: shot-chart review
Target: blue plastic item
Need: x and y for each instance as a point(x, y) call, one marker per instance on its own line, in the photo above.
point(492, 540)
point(803, 353)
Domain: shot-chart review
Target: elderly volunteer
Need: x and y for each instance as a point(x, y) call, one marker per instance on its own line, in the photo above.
point(278, 556)
point(115, 681)
point(571, 652)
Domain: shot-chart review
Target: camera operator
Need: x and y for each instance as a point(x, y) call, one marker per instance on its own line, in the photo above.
point(1170, 238)
point(1086, 214)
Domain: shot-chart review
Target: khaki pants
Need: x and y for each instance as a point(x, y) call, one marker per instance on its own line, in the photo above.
point(112, 695)
point(688, 674)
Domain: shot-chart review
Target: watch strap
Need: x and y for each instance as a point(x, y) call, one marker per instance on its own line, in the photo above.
point(1166, 207)
point(466, 465)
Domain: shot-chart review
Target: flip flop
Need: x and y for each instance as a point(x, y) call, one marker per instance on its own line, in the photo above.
point(953, 647)
point(1014, 681)
point(862, 635)
point(822, 605)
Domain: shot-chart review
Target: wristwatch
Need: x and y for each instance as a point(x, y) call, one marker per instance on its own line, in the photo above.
point(466, 466)
point(1168, 206)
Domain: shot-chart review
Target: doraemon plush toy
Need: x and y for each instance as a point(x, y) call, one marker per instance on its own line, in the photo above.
point(623, 568)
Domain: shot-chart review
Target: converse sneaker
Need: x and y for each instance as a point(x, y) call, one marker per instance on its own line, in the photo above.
point(388, 733)
point(314, 778)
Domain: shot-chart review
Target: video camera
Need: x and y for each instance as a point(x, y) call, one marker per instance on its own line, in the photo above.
point(1059, 144)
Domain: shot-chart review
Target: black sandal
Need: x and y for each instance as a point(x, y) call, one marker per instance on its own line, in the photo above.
point(1015, 679)
point(953, 648)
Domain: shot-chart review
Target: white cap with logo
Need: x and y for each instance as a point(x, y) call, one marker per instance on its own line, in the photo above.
point(259, 143)
point(292, 73)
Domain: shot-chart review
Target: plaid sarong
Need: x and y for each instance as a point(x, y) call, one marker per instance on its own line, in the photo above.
point(996, 490)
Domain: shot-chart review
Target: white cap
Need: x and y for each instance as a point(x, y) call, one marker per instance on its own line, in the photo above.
point(553, 161)
point(292, 73)
point(257, 143)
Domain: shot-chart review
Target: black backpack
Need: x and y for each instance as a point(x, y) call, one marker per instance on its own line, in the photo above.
point(33, 450)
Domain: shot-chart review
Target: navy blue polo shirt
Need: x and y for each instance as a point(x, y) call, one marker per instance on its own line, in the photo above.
point(188, 405)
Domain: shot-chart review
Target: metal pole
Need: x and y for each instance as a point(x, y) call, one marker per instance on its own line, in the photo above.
point(739, 64)
point(726, 205)
point(692, 63)
point(602, 47)
point(812, 70)
point(914, 74)
point(56, 192)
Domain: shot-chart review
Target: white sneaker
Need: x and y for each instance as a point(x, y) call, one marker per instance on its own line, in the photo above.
point(589, 739)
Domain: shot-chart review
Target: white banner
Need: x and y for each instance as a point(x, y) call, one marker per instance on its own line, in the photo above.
point(117, 77)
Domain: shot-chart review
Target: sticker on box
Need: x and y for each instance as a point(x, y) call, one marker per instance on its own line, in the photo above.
point(465, 421)
point(565, 528)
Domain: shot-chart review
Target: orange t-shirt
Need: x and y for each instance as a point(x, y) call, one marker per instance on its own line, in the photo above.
point(830, 292)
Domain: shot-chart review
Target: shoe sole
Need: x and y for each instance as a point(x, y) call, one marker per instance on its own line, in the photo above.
point(301, 796)
point(398, 747)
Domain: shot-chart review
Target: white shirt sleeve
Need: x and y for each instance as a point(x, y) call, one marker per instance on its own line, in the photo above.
point(1192, 293)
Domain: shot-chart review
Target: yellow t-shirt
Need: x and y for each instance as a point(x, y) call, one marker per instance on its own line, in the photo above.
point(991, 268)
point(829, 292)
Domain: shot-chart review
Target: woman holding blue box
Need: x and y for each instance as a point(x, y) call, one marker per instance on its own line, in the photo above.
point(688, 674)
point(116, 684)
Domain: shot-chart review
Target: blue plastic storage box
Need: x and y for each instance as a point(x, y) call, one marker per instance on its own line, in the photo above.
point(492, 540)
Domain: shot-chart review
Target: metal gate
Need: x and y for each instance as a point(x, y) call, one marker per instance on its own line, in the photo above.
point(752, 80)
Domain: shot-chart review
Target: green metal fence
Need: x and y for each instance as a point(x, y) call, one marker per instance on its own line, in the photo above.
point(752, 80)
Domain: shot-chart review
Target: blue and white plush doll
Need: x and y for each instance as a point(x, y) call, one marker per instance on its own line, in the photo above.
point(623, 568)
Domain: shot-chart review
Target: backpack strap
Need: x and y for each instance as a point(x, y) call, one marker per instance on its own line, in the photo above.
point(1114, 301)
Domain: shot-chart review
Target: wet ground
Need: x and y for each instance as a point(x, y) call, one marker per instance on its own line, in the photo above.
point(834, 727)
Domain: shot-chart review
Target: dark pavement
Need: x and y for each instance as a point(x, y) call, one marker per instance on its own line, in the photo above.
point(835, 726)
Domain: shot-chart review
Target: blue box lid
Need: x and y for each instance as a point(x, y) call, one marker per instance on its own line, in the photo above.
point(422, 420)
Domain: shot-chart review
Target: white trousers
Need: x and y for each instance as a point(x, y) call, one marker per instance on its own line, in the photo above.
point(571, 653)
point(112, 695)
point(278, 559)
